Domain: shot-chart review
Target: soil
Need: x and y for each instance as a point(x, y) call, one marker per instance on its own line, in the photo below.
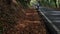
point(16, 20)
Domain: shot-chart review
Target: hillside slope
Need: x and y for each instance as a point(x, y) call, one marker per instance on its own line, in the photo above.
point(14, 19)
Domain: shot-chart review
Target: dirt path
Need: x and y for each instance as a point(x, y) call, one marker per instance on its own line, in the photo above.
point(31, 23)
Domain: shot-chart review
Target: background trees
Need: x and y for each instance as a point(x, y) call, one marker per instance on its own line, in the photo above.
point(49, 3)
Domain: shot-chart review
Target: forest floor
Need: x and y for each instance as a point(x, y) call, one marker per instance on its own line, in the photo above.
point(27, 20)
point(29, 23)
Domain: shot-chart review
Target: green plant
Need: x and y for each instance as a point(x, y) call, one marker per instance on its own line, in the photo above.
point(24, 3)
point(50, 3)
